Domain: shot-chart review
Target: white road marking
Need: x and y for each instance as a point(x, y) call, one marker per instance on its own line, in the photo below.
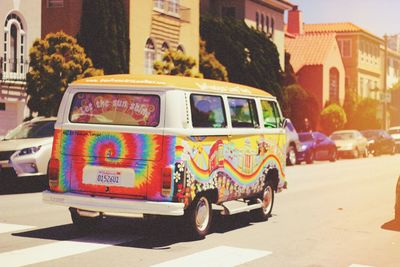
point(222, 256)
point(5, 227)
point(54, 251)
point(360, 265)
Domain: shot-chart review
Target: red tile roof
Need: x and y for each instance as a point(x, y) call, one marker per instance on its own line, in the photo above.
point(340, 27)
point(309, 49)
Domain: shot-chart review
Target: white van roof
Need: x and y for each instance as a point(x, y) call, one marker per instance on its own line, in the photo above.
point(167, 82)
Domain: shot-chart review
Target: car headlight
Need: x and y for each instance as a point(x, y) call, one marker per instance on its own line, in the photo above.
point(303, 147)
point(29, 150)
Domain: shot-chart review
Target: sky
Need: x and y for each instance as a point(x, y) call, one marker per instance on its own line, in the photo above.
point(376, 16)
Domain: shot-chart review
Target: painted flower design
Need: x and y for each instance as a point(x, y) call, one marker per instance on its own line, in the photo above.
point(181, 167)
point(177, 177)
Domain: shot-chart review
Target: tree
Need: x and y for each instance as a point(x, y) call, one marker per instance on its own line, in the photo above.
point(249, 56)
point(300, 105)
point(104, 34)
point(210, 67)
point(332, 118)
point(55, 62)
point(289, 77)
point(365, 116)
point(176, 63)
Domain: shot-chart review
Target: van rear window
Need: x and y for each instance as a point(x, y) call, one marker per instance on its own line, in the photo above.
point(117, 109)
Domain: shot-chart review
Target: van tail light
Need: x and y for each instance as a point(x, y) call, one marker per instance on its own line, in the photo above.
point(167, 181)
point(53, 172)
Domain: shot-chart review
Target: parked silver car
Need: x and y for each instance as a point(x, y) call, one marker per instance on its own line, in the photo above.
point(350, 143)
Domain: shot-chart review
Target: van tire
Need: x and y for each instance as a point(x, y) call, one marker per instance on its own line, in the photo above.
point(82, 223)
point(199, 217)
point(267, 198)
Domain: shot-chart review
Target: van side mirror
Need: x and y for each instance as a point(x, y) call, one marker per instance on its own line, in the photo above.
point(284, 122)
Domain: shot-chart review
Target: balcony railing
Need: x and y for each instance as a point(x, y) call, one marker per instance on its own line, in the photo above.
point(172, 8)
point(18, 72)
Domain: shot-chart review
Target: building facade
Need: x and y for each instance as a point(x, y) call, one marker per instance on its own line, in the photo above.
point(266, 16)
point(360, 51)
point(318, 66)
point(21, 27)
point(158, 25)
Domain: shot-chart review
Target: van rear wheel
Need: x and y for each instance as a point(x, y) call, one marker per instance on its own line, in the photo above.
point(267, 201)
point(199, 216)
point(83, 223)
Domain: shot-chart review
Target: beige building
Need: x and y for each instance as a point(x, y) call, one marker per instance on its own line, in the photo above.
point(264, 15)
point(21, 25)
point(158, 25)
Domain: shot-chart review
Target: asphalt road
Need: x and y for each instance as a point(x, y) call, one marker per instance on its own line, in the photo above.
point(332, 214)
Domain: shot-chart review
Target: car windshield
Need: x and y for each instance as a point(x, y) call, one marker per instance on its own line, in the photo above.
point(370, 134)
point(304, 137)
point(342, 136)
point(394, 131)
point(37, 129)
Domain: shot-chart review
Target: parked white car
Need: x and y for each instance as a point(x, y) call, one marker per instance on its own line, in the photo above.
point(26, 150)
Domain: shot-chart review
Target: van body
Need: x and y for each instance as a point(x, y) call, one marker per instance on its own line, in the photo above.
point(165, 145)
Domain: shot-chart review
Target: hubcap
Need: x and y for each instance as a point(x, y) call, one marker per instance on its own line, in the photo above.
point(202, 214)
point(267, 199)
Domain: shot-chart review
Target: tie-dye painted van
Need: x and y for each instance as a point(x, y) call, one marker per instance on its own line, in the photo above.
point(166, 145)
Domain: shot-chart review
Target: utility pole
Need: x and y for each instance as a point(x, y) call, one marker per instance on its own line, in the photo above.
point(384, 126)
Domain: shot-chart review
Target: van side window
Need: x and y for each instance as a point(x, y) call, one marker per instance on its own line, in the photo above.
point(243, 112)
point(270, 114)
point(207, 111)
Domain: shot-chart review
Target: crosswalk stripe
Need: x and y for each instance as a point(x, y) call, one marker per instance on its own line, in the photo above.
point(56, 250)
point(46, 252)
point(6, 227)
point(222, 256)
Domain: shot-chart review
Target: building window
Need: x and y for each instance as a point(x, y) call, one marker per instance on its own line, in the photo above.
point(334, 85)
point(159, 4)
point(2, 106)
point(228, 12)
point(149, 56)
point(345, 47)
point(272, 27)
point(262, 22)
point(173, 7)
point(14, 55)
point(257, 21)
point(55, 3)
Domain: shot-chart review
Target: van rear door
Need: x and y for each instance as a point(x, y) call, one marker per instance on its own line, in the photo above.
point(111, 141)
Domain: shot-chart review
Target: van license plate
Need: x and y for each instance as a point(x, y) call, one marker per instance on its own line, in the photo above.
point(95, 175)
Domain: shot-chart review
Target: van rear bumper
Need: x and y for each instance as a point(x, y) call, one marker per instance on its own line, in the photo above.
point(113, 205)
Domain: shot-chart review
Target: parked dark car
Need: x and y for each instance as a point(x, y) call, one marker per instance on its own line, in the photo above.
point(316, 146)
point(395, 133)
point(379, 142)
